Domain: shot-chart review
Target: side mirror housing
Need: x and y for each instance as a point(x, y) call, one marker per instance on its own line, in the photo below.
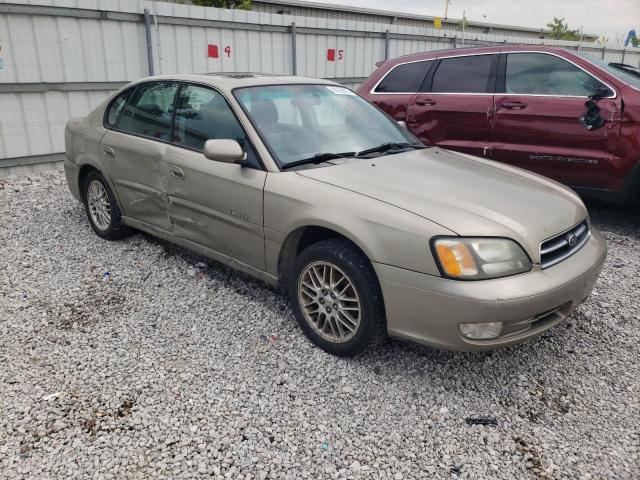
point(223, 150)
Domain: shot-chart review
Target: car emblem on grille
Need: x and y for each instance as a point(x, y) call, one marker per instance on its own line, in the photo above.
point(572, 240)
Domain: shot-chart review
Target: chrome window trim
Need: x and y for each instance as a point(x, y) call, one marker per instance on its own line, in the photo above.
point(373, 92)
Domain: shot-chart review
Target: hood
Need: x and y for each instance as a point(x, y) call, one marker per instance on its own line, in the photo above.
point(468, 195)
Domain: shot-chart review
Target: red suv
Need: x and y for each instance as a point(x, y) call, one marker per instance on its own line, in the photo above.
point(560, 113)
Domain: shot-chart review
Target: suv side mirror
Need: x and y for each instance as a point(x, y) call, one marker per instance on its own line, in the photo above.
point(223, 150)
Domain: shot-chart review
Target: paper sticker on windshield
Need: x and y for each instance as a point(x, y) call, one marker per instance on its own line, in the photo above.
point(340, 90)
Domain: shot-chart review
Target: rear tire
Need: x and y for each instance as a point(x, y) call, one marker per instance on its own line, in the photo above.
point(336, 298)
point(103, 212)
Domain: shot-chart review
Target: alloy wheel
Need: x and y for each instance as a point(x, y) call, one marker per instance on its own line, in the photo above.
point(99, 205)
point(329, 301)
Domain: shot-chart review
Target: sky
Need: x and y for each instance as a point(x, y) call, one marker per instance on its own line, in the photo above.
point(608, 18)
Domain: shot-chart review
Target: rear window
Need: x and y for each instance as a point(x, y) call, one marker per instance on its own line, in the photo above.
point(463, 75)
point(405, 78)
point(149, 110)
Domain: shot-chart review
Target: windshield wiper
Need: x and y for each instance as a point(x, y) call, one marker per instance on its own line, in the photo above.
point(385, 147)
point(318, 158)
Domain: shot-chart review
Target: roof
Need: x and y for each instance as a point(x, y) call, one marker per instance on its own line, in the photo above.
point(477, 50)
point(229, 80)
point(396, 14)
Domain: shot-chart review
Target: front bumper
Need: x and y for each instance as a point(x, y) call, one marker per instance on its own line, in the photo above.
point(428, 309)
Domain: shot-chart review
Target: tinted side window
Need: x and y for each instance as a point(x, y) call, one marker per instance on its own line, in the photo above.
point(541, 74)
point(202, 114)
point(405, 78)
point(463, 74)
point(149, 110)
point(116, 107)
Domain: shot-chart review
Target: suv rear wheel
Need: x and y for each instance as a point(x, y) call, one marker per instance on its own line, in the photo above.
point(336, 298)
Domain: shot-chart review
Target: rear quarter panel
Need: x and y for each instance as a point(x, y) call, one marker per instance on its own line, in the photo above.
point(82, 146)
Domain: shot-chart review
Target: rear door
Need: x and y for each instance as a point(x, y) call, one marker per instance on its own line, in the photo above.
point(536, 122)
point(454, 106)
point(214, 204)
point(394, 91)
point(133, 150)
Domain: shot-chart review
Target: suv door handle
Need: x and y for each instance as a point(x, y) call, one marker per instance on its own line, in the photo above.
point(514, 105)
point(176, 172)
point(425, 102)
point(109, 152)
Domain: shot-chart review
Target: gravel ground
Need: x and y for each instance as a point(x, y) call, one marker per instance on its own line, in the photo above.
point(137, 359)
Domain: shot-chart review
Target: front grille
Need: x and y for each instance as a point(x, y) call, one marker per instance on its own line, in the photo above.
point(562, 246)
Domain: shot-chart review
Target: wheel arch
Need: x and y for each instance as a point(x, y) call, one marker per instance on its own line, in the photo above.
point(84, 169)
point(304, 236)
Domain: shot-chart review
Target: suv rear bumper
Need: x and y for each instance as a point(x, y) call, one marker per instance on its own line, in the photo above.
point(428, 309)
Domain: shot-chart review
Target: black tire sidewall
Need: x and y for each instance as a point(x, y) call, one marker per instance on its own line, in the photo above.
point(359, 270)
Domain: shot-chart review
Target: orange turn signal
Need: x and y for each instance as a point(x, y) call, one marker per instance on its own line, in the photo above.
point(455, 258)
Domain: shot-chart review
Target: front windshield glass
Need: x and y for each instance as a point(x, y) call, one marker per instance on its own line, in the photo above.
point(298, 122)
point(616, 72)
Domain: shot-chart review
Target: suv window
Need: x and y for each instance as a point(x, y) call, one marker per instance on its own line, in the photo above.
point(405, 78)
point(203, 114)
point(463, 75)
point(542, 74)
point(149, 110)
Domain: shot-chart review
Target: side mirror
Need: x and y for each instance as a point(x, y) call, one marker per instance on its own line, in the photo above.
point(223, 150)
point(402, 124)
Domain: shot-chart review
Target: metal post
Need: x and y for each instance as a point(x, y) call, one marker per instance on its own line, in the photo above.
point(604, 50)
point(386, 44)
point(455, 42)
point(147, 29)
point(624, 50)
point(294, 55)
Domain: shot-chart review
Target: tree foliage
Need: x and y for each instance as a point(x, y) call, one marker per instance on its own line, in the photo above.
point(239, 4)
point(561, 31)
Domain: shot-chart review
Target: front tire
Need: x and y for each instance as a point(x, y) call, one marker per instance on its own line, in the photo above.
point(336, 298)
point(103, 212)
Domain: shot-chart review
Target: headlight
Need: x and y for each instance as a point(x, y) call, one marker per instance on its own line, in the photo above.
point(479, 258)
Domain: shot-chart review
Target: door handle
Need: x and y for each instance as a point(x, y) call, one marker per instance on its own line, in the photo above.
point(426, 102)
point(176, 172)
point(514, 105)
point(108, 152)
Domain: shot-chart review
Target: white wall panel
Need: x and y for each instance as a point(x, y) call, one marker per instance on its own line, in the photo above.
point(33, 123)
point(39, 49)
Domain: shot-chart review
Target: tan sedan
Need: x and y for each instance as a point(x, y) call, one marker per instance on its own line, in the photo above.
point(303, 184)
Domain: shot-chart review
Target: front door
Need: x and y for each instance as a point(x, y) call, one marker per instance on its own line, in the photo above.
point(453, 112)
point(214, 204)
point(537, 127)
point(134, 147)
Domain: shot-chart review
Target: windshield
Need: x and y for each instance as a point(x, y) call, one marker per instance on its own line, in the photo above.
point(616, 72)
point(299, 122)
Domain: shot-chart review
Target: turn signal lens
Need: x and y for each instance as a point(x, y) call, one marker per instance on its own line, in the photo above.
point(456, 259)
point(480, 258)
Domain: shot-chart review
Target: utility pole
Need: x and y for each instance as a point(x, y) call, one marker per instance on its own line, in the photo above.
point(446, 8)
point(464, 24)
